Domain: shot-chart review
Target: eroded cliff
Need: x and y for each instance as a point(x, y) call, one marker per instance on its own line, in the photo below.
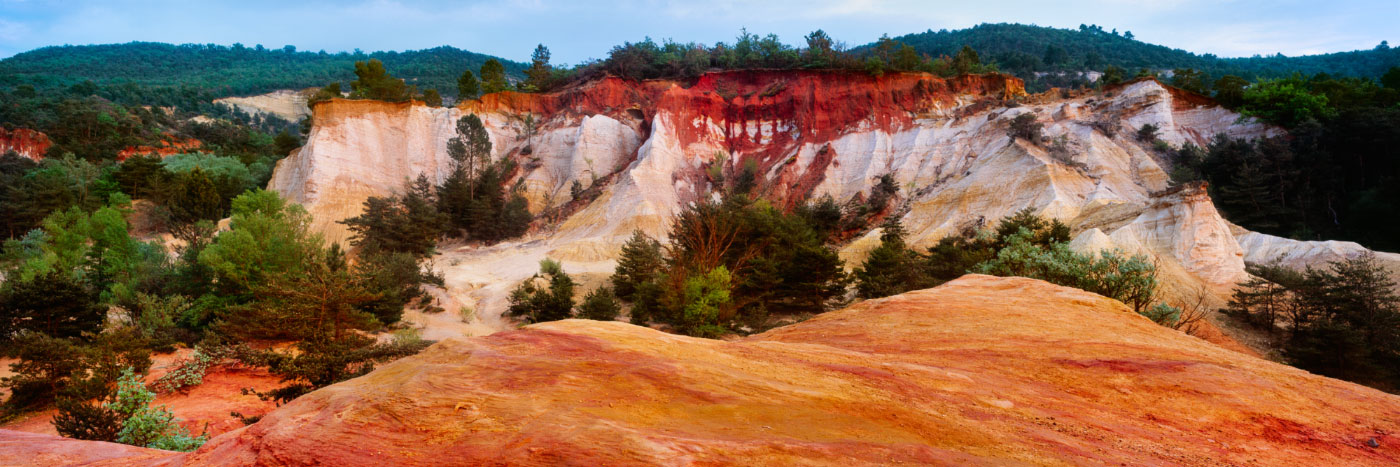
point(649, 147)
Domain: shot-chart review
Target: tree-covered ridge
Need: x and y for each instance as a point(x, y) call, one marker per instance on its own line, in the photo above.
point(1023, 48)
point(227, 70)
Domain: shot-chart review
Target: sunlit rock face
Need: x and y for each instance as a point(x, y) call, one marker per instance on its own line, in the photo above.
point(982, 370)
point(650, 148)
point(25, 142)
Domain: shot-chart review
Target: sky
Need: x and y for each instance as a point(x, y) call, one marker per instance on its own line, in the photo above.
point(578, 30)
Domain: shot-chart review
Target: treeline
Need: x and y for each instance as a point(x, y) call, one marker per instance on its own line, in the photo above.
point(1334, 176)
point(1341, 321)
point(168, 70)
point(1026, 50)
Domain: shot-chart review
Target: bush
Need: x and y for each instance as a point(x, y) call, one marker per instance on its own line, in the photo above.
point(704, 296)
point(49, 367)
point(143, 425)
point(600, 304)
point(1026, 127)
point(1148, 132)
point(551, 300)
point(190, 372)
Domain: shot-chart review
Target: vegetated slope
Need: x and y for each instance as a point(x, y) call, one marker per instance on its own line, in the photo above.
point(227, 71)
point(980, 370)
point(646, 149)
point(1024, 48)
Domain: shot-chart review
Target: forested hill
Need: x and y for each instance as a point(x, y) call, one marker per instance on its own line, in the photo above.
point(1019, 48)
point(225, 70)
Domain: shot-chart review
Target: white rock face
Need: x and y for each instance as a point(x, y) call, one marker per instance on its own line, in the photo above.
point(955, 166)
point(288, 104)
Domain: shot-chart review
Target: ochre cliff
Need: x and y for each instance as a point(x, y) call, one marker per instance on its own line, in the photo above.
point(651, 145)
point(983, 370)
point(25, 142)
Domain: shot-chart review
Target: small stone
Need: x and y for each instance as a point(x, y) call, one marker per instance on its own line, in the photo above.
point(1372, 443)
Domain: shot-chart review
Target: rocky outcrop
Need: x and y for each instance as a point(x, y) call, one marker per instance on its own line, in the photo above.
point(169, 145)
point(982, 370)
point(651, 146)
point(25, 142)
point(286, 104)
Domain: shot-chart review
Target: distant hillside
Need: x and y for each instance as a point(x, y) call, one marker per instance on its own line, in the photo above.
point(1020, 49)
point(226, 71)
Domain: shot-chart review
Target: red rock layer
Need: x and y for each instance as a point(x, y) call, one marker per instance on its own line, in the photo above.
point(982, 370)
point(758, 116)
point(26, 142)
point(167, 147)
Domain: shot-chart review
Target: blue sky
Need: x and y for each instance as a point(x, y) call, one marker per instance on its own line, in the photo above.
point(578, 30)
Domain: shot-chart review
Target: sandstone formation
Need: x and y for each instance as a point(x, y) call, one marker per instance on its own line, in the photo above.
point(286, 104)
point(650, 146)
point(168, 145)
point(983, 370)
point(25, 142)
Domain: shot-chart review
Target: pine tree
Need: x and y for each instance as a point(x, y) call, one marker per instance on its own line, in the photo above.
point(640, 262)
point(539, 74)
point(493, 77)
point(889, 270)
point(467, 86)
point(600, 304)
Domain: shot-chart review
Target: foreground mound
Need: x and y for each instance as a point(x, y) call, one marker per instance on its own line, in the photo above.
point(981, 370)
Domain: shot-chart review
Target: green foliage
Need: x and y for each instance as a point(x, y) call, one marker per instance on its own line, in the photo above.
point(316, 364)
point(493, 77)
point(473, 197)
point(152, 427)
point(267, 237)
point(1287, 102)
point(1331, 177)
point(1148, 132)
point(1342, 321)
point(192, 197)
point(405, 223)
point(1229, 91)
point(190, 372)
point(432, 98)
point(704, 296)
point(546, 296)
point(1026, 127)
point(891, 268)
point(1027, 49)
point(396, 280)
point(165, 73)
point(374, 82)
point(55, 303)
point(640, 262)
point(467, 86)
point(126, 417)
point(1131, 280)
point(327, 92)
point(538, 76)
point(1191, 80)
point(49, 367)
point(599, 304)
point(775, 261)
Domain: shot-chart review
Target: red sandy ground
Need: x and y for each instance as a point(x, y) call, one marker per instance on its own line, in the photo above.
point(982, 370)
point(205, 406)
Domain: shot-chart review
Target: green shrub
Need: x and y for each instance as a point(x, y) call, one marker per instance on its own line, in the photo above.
point(704, 296)
point(600, 304)
point(546, 296)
